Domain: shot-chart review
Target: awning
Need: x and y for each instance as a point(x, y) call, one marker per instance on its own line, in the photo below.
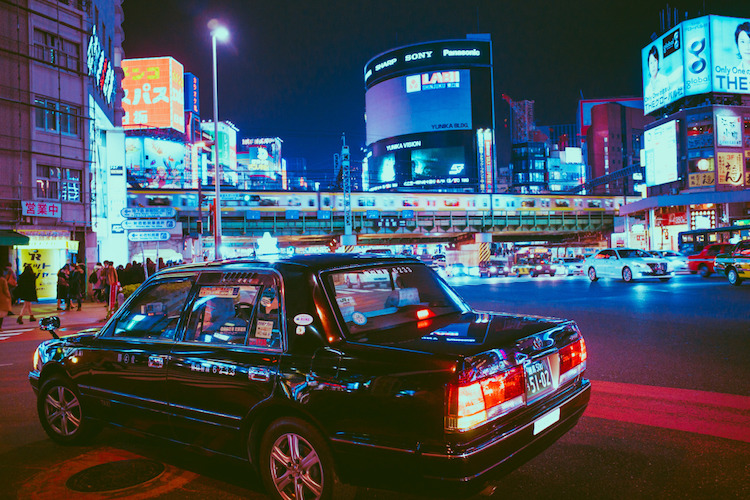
point(10, 238)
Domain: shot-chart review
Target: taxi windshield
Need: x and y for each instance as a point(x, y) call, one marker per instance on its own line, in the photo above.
point(380, 298)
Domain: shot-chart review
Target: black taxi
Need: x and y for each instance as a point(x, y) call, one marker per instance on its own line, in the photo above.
point(318, 384)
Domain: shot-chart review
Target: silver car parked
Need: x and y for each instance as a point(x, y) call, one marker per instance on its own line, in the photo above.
point(627, 264)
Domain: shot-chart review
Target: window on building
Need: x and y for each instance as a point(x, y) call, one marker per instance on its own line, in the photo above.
point(55, 50)
point(56, 117)
point(55, 183)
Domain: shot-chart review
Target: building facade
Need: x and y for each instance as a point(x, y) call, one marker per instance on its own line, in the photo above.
point(62, 149)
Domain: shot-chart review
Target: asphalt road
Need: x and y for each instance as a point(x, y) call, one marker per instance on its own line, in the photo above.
point(669, 415)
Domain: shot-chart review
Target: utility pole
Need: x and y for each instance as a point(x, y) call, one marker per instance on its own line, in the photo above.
point(348, 239)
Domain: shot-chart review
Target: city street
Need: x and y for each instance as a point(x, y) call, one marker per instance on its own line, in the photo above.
point(669, 415)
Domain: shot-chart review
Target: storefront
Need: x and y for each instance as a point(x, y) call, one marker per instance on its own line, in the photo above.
point(46, 251)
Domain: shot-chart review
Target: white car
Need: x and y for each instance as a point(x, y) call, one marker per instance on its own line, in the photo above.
point(678, 262)
point(627, 264)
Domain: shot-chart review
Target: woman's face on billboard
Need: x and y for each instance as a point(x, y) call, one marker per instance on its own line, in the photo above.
point(743, 45)
point(653, 66)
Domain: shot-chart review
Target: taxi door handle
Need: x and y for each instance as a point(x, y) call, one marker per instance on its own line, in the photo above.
point(156, 361)
point(258, 374)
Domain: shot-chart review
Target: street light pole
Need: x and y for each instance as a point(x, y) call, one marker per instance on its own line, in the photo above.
point(217, 163)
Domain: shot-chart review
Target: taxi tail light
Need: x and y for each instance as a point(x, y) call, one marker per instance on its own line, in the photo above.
point(477, 402)
point(573, 357)
point(424, 314)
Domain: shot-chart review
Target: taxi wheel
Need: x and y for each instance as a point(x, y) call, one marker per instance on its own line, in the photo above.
point(704, 272)
point(295, 462)
point(733, 277)
point(62, 414)
point(592, 274)
point(627, 275)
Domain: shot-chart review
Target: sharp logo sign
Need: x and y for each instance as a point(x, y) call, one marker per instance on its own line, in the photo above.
point(433, 81)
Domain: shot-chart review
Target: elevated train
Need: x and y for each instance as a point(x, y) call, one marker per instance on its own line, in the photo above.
point(422, 202)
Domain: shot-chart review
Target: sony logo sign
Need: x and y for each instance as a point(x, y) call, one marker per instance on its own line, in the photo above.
point(418, 55)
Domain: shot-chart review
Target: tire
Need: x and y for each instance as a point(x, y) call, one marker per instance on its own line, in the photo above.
point(534, 275)
point(627, 274)
point(733, 277)
point(551, 274)
point(62, 414)
point(592, 274)
point(703, 271)
point(295, 458)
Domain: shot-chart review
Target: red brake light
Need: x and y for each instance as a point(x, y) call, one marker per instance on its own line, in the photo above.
point(487, 398)
point(572, 355)
point(424, 314)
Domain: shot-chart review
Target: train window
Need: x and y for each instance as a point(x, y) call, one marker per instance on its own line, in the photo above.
point(158, 201)
point(310, 202)
point(528, 203)
point(544, 202)
point(432, 203)
point(562, 203)
point(579, 203)
point(609, 203)
point(326, 201)
point(595, 203)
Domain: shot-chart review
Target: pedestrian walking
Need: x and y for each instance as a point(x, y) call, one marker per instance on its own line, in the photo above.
point(101, 285)
point(12, 279)
point(63, 287)
point(77, 284)
point(114, 286)
point(5, 302)
point(26, 291)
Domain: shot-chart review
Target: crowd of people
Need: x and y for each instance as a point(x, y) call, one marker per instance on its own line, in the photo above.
point(106, 282)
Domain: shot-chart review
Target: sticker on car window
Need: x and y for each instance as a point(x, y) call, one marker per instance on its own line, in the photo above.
point(345, 301)
point(303, 319)
point(263, 329)
point(220, 291)
point(359, 318)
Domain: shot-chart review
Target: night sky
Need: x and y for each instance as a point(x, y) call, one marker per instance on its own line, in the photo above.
point(294, 68)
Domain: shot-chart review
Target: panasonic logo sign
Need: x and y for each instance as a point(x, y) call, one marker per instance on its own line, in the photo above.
point(467, 52)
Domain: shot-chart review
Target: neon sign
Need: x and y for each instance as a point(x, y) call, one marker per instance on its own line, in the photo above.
point(100, 67)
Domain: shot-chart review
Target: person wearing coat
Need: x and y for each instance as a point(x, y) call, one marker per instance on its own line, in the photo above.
point(77, 285)
point(5, 301)
point(26, 291)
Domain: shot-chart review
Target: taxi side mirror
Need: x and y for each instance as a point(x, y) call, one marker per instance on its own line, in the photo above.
point(50, 324)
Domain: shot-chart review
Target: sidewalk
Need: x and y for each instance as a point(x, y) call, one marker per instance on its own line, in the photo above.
point(92, 314)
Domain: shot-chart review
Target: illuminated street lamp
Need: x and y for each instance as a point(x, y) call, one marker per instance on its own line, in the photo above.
point(195, 160)
point(220, 33)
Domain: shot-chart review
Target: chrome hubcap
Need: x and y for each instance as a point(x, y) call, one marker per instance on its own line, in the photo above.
point(295, 468)
point(63, 411)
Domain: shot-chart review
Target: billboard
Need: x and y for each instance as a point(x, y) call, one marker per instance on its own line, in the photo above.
point(660, 145)
point(157, 164)
point(730, 51)
point(154, 93)
point(192, 94)
point(227, 150)
point(663, 77)
point(730, 169)
point(429, 101)
point(706, 54)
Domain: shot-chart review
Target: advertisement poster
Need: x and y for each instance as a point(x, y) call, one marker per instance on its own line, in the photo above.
point(697, 56)
point(156, 164)
point(154, 93)
point(46, 263)
point(730, 44)
point(701, 168)
point(747, 168)
point(661, 154)
point(663, 78)
point(730, 169)
point(729, 130)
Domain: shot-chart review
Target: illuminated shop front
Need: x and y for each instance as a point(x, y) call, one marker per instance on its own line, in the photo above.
point(47, 251)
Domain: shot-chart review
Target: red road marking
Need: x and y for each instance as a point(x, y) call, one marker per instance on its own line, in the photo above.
point(701, 412)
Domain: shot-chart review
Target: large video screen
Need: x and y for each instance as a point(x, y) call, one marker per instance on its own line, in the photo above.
point(431, 101)
point(156, 164)
point(663, 78)
point(661, 154)
point(427, 168)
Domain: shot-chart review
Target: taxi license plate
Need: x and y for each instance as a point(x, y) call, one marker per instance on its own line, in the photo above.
point(538, 378)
